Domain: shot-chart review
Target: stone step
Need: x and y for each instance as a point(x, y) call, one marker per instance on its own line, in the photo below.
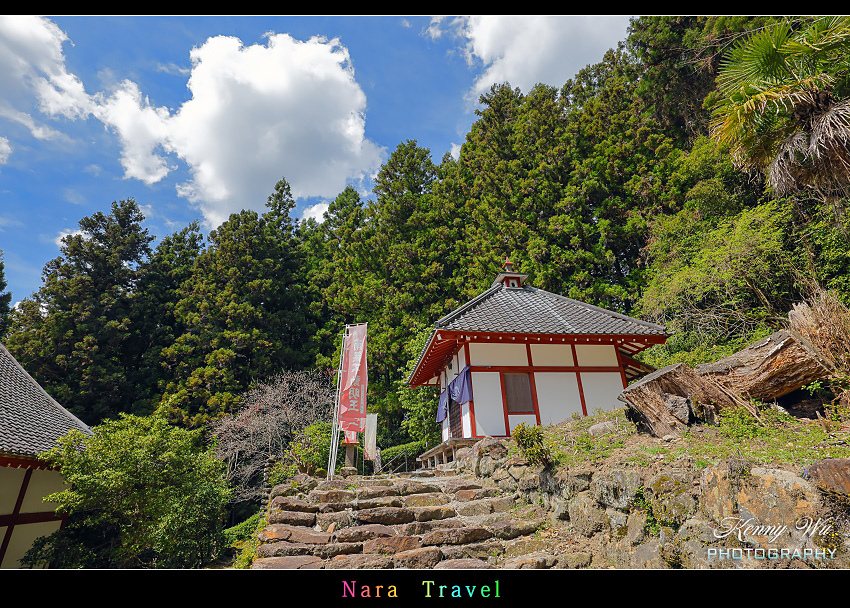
point(447, 521)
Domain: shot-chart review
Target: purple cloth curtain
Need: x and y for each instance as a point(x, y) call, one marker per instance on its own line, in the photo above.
point(460, 390)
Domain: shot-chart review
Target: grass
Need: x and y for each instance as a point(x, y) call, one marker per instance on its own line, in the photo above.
point(570, 443)
point(779, 440)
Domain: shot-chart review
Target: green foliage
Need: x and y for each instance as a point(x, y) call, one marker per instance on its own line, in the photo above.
point(244, 538)
point(243, 311)
point(310, 450)
point(530, 442)
point(5, 300)
point(81, 335)
point(143, 494)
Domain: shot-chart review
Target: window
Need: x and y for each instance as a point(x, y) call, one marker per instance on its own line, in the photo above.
point(518, 393)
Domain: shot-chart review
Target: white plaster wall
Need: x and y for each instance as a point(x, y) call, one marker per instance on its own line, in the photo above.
point(601, 390)
point(596, 355)
point(516, 419)
point(22, 539)
point(487, 396)
point(466, 420)
point(461, 355)
point(10, 487)
point(551, 354)
point(497, 354)
point(557, 396)
point(445, 433)
point(41, 484)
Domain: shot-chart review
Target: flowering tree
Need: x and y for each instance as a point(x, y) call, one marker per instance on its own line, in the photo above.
point(271, 417)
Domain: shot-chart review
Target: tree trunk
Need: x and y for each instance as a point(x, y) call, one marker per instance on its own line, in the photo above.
point(768, 369)
point(668, 400)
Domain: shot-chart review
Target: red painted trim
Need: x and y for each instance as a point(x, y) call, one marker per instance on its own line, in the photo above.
point(19, 462)
point(528, 354)
point(15, 512)
point(622, 369)
point(553, 368)
point(578, 381)
point(29, 518)
point(474, 429)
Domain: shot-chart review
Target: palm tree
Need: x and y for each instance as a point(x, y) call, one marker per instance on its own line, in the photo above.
point(785, 106)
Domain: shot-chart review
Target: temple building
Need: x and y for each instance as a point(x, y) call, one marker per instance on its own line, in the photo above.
point(30, 423)
point(519, 354)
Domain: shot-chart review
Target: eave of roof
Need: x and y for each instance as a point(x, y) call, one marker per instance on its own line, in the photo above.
point(30, 420)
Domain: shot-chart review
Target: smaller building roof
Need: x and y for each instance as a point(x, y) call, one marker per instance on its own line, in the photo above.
point(528, 311)
point(30, 420)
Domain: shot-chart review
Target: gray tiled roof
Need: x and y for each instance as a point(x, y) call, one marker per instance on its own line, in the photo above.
point(531, 310)
point(30, 420)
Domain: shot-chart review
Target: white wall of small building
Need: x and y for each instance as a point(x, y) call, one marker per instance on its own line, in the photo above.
point(557, 392)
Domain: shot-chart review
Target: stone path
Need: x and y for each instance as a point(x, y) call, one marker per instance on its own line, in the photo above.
point(446, 521)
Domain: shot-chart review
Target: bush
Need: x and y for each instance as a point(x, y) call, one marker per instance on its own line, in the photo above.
point(143, 494)
point(530, 442)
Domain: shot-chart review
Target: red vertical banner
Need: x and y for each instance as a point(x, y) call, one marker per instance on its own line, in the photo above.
point(353, 381)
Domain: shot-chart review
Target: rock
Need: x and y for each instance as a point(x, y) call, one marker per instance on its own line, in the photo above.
point(364, 561)
point(348, 471)
point(381, 501)
point(573, 561)
point(333, 549)
point(455, 536)
point(339, 519)
point(535, 561)
point(411, 486)
point(288, 503)
point(425, 557)
point(432, 513)
point(365, 532)
point(482, 550)
point(422, 527)
point(586, 516)
point(294, 534)
point(391, 544)
point(284, 548)
point(495, 448)
point(455, 485)
point(365, 493)
point(295, 518)
point(831, 475)
point(463, 564)
point(670, 497)
point(512, 528)
point(529, 481)
point(475, 507)
point(385, 515)
point(525, 546)
point(300, 562)
point(467, 495)
point(600, 428)
point(616, 488)
point(294, 485)
point(426, 500)
point(333, 495)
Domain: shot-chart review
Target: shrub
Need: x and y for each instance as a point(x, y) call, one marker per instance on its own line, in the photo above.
point(530, 442)
point(143, 494)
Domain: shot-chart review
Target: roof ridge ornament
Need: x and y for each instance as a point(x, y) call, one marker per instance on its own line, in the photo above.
point(509, 277)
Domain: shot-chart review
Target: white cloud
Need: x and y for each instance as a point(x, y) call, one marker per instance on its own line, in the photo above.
point(527, 49)
point(316, 212)
point(5, 150)
point(62, 234)
point(257, 113)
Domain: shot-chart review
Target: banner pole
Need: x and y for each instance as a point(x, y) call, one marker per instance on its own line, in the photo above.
point(335, 429)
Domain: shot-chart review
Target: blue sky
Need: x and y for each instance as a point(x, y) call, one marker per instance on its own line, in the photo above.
point(198, 117)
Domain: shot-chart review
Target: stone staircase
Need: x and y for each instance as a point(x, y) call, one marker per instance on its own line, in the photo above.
point(433, 519)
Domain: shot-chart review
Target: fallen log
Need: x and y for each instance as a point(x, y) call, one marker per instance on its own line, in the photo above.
point(769, 368)
point(672, 398)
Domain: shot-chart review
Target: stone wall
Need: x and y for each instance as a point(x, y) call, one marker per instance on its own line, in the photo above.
point(732, 515)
